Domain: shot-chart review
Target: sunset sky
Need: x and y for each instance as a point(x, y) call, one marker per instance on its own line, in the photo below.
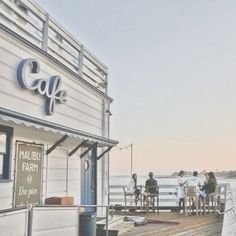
point(172, 74)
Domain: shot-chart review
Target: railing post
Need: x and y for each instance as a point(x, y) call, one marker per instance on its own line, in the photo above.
point(78, 220)
point(45, 33)
point(107, 211)
point(30, 220)
point(81, 60)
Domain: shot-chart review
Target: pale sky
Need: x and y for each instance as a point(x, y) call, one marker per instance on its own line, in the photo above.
point(172, 74)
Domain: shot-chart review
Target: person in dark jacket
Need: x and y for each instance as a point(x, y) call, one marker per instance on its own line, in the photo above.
point(210, 186)
point(151, 187)
point(151, 184)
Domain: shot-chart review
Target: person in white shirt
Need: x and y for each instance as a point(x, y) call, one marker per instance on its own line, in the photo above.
point(132, 187)
point(196, 182)
point(182, 182)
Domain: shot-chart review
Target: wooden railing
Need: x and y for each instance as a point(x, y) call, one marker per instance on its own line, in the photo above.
point(47, 220)
point(29, 20)
point(229, 222)
point(167, 196)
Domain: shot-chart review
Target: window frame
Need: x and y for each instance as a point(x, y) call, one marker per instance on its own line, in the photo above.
point(6, 165)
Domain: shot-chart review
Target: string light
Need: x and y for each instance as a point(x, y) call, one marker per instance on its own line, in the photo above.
point(131, 157)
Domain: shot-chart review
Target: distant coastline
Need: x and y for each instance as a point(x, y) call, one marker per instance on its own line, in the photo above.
point(219, 174)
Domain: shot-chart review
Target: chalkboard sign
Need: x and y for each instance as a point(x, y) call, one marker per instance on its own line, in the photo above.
point(29, 161)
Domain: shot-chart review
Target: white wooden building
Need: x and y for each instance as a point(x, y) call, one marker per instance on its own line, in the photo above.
point(54, 122)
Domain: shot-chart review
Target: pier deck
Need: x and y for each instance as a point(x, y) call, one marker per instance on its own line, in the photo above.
point(209, 224)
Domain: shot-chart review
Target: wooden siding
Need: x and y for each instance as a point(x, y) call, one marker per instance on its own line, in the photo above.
point(83, 110)
point(74, 177)
point(61, 174)
point(86, 102)
point(6, 195)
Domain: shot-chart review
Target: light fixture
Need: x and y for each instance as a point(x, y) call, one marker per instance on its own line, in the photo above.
point(109, 112)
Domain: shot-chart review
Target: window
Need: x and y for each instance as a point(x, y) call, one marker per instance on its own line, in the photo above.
point(6, 134)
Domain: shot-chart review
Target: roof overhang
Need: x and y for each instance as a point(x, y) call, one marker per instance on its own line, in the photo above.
point(28, 121)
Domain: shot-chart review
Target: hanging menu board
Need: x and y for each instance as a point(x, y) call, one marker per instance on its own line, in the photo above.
point(29, 162)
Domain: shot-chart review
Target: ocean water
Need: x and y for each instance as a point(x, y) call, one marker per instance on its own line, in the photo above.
point(170, 200)
point(124, 180)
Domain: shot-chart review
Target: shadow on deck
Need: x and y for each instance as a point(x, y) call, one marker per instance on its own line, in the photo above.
point(168, 223)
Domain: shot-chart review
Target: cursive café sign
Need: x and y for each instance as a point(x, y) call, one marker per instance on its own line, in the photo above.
point(49, 88)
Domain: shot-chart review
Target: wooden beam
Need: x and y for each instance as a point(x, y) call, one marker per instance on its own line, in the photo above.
point(102, 154)
point(88, 149)
point(57, 143)
point(79, 146)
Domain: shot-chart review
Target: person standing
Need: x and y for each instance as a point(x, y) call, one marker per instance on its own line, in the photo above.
point(182, 181)
point(195, 181)
point(210, 186)
point(206, 179)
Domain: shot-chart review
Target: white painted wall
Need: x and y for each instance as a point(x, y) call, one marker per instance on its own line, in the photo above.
point(13, 223)
point(56, 181)
point(56, 165)
point(55, 221)
point(6, 195)
point(83, 110)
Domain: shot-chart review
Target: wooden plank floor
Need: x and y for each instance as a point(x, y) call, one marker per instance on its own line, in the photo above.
point(204, 225)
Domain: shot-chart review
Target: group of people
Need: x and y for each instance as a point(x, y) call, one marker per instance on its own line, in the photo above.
point(150, 187)
point(203, 189)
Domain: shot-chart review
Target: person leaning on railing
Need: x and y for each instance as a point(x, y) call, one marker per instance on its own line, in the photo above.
point(194, 181)
point(210, 185)
point(182, 182)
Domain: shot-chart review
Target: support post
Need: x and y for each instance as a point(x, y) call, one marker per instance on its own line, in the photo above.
point(131, 150)
point(81, 60)
point(102, 154)
point(57, 143)
point(45, 34)
point(88, 149)
point(79, 146)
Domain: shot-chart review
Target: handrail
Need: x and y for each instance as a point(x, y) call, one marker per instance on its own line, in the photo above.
point(70, 50)
point(223, 212)
point(167, 196)
point(232, 208)
point(159, 185)
point(229, 222)
point(30, 215)
point(13, 211)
